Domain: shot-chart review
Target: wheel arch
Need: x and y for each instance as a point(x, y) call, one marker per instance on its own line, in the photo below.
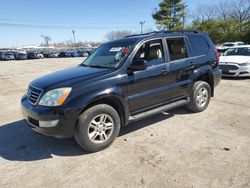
point(115, 101)
point(205, 74)
point(207, 77)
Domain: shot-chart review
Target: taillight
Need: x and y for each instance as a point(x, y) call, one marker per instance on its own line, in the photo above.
point(217, 57)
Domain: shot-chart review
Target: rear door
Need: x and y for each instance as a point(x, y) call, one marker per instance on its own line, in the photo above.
point(181, 66)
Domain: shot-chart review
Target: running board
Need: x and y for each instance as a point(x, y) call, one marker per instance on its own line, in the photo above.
point(158, 110)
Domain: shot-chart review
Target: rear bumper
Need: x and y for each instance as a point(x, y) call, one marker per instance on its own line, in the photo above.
point(37, 116)
point(217, 77)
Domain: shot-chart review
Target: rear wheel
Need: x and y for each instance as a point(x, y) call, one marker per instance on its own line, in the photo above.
point(200, 97)
point(97, 127)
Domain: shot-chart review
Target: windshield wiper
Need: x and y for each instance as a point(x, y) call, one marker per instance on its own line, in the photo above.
point(98, 66)
point(84, 65)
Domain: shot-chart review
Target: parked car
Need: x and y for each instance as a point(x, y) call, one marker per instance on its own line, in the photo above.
point(225, 46)
point(21, 55)
point(75, 54)
point(83, 53)
point(235, 62)
point(1, 53)
point(35, 55)
point(7, 56)
point(64, 54)
point(124, 81)
point(53, 55)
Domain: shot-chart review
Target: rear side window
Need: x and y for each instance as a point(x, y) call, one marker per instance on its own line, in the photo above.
point(177, 48)
point(199, 45)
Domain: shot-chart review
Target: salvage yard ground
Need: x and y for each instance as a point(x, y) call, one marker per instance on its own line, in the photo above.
point(181, 149)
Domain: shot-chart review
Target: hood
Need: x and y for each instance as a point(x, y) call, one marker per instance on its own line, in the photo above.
point(68, 77)
point(234, 59)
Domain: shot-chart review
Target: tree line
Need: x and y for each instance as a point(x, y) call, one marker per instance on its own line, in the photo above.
point(228, 20)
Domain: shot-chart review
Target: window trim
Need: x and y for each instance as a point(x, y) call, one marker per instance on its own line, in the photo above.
point(187, 47)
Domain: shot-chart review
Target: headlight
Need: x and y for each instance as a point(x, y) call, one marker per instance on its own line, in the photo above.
point(55, 97)
point(245, 64)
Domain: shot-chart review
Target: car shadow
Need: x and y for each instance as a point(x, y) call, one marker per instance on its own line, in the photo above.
point(19, 143)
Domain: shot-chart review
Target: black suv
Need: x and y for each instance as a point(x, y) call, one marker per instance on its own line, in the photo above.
point(123, 81)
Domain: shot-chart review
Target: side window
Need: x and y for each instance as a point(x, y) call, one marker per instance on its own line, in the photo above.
point(199, 45)
point(177, 48)
point(152, 52)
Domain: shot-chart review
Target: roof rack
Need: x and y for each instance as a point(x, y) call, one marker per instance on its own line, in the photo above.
point(180, 31)
point(134, 35)
point(166, 31)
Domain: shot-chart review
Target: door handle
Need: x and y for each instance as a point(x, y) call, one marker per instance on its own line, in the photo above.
point(164, 71)
point(192, 65)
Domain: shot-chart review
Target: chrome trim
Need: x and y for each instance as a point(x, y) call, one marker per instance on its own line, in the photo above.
point(32, 97)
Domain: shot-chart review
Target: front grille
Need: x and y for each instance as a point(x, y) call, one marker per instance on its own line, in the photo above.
point(228, 67)
point(228, 73)
point(33, 94)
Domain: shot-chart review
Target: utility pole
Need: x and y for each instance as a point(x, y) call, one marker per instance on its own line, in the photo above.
point(142, 23)
point(46, 40)
point(74, 37)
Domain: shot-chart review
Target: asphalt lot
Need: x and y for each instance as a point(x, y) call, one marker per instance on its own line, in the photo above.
point(181, 149)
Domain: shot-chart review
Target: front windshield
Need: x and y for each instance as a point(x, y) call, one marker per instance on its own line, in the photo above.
point(238, 51)
point(228, 44)
point(109, 55)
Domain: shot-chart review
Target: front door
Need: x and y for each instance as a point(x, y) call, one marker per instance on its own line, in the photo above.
point(149, 87)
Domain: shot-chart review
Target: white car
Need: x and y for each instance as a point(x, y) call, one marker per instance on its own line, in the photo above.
point(225, 46)
point(235, 62)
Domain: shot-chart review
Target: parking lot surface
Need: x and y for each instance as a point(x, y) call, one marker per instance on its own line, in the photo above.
point(178, 149)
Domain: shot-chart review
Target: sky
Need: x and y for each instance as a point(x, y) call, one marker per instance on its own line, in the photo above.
point(22, 22)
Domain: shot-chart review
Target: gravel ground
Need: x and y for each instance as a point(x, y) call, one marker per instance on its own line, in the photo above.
point(180, 149)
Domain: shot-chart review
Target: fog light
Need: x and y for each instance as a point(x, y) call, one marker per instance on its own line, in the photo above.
point(48, 123)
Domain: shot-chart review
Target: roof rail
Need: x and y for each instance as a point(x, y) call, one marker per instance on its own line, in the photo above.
point(166, 31)
point(180, 31)
point(134, 35)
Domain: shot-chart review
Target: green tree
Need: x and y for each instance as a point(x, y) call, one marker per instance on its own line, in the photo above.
point(170, 15)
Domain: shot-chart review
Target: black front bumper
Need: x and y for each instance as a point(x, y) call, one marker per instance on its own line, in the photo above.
point(33, 114)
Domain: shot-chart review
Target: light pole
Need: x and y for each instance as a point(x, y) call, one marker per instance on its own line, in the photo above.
point(142, 23)
point(74, 37)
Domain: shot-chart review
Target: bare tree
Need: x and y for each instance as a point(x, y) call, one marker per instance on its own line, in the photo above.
point(117, 35)
point(206, 12)
point(223, 9)
point(241, 13)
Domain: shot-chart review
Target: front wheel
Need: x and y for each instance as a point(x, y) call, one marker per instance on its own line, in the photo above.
point(97, 127)
point(200, 97)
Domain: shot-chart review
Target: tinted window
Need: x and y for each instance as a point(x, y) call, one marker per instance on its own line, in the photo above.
point(199, 45)
point(151, 52)
point(177, 48)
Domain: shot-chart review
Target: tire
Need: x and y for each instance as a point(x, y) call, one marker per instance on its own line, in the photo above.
point(94, 124)
point(201, 92)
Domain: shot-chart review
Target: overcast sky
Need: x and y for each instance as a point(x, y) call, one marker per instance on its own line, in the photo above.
point(23, 22)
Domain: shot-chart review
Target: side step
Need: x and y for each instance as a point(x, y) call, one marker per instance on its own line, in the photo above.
point(158, 110)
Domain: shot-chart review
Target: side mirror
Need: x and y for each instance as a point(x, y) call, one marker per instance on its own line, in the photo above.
point(138, 65)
